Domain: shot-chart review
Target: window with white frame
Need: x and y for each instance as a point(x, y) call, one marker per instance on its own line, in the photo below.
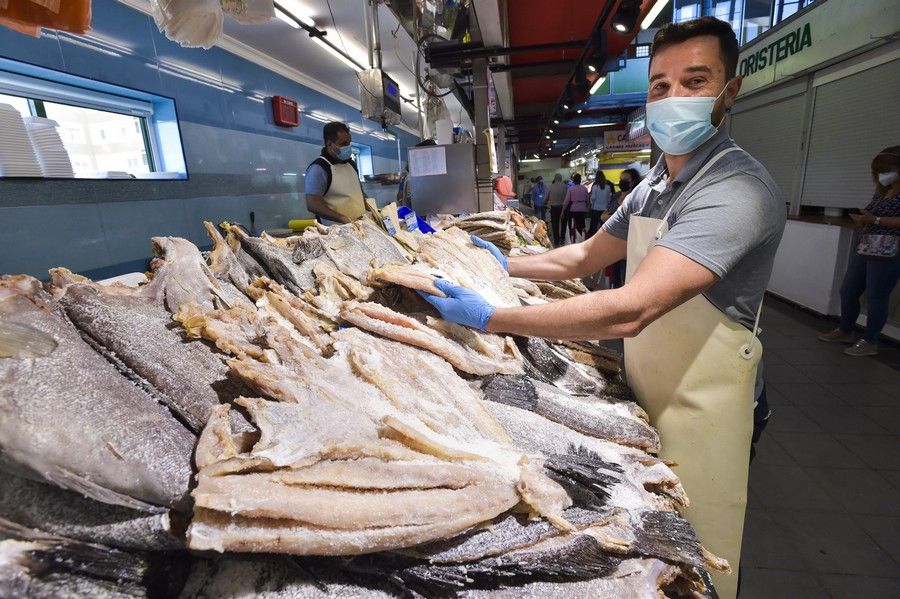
point(57, 129)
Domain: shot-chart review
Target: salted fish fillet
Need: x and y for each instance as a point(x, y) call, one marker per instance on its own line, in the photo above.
point(647, 483)
point(339, 285)
point(71, 419)
point(187, 376)
point(223, 262)
point(406, 275)
point(181, 276)
point(453, 252)
point(277, 511)
point(235, 331)
point(592, 416)
point(483, 359)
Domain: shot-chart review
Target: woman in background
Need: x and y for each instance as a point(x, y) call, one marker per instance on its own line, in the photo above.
point(577, 203)
point(875, 265)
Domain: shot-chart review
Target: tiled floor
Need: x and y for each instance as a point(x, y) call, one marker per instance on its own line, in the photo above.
point(823, 516)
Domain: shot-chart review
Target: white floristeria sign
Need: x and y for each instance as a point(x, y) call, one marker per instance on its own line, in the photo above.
point(617, 141)
point(829, 30)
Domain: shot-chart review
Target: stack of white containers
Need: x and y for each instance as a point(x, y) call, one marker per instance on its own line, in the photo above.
point(17, 158)
point(48, 147)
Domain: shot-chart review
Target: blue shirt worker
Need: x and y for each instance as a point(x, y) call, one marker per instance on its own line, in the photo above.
point(333, 191)
point(700, 234)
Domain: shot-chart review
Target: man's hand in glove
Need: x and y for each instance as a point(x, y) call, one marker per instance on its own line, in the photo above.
point(462, 306)
point(493, 249)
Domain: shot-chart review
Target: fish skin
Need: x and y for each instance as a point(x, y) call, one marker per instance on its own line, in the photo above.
point(185, 375)
point(646, 483)
point(280, 577)
point(613, 421)
point(544, 364)
point(37, 564)
point(67, 514)
point(72, 419)
point(277, 261)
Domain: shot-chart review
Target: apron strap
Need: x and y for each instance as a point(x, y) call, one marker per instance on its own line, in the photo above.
point(747, 349)
point(709, 164)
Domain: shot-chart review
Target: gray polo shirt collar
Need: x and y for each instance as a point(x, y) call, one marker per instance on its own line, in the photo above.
point(658, 177)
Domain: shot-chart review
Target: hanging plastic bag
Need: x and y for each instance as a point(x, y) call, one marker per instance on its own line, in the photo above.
point(191, 23)
point(249, 12)
point(29, 16)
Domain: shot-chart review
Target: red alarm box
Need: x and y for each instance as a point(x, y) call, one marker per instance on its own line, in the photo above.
point(285, 111)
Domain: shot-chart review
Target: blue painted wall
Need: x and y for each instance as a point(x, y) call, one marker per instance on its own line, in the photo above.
point(103, 228)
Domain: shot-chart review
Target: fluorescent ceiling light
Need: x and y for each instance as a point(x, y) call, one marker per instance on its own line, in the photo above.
point(597, 84)
point(292, 8)
point(530, 160)
point(597, 125)
point(283, 16)
point(654, 12)
point(338, 55)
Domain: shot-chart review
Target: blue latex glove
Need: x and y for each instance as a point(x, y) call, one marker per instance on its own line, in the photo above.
point(462, 306)
point(493, 249)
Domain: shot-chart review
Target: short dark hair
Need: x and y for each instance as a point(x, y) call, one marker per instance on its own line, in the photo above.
point(331, 130)
point(632, 172)
point(577, 178)
point(675, 33)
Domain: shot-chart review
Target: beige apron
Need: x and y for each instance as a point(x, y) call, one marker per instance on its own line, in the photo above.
point(345, 196)
point(694, 370)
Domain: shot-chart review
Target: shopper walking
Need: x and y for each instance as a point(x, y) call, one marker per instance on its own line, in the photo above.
point(538, 197)
point(600, 198)
point(577, 203)
point(874, 267)
point(556, 195)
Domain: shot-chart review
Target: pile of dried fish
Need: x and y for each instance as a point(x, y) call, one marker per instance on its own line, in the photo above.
point(507, 229)
point(322, 409)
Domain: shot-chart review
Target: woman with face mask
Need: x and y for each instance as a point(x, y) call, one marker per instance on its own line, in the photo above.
point(874, 266)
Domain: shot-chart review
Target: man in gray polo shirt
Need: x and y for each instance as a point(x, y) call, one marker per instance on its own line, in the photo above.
point(700, 234)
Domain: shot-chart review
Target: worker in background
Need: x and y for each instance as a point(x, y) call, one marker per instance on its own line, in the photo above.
point(538, 195)
point(333, 191)
point(700, 233)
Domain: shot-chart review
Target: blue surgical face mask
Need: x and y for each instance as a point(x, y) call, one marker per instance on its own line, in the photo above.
point(679, 125)
point(345, 152)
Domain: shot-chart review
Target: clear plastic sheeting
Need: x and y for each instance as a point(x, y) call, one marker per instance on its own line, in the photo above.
point(191, 23)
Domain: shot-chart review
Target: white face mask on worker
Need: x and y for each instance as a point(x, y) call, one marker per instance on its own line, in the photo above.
point(888, 179)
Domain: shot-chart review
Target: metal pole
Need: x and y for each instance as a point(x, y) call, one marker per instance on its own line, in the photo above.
point(370, 43)
point(375, 46)
point(483, 175)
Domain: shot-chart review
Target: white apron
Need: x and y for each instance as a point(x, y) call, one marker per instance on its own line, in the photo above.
point(345, 195)
point(694, 370)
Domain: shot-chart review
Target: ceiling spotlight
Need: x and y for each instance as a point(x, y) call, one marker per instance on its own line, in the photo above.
point(551, 130)
point(579, 111)
point(555, 121)
point(592, 68)
point(625, 19)
point(547, 136)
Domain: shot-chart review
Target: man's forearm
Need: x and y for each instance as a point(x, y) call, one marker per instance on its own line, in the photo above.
point(570, 261)
point(599, 315)
point(555, 265)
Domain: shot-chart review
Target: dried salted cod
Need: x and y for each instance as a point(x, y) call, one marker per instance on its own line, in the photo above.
point(452, 251)
point(224, 262)
point(187, 376)
point(276, 260)
point(70, 418)
point(469, 351)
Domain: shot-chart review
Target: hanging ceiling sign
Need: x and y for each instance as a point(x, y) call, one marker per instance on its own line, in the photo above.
point(617, 141)
point(826, 32)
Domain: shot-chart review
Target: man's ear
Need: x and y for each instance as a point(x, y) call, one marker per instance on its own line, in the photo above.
point(734, 88)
